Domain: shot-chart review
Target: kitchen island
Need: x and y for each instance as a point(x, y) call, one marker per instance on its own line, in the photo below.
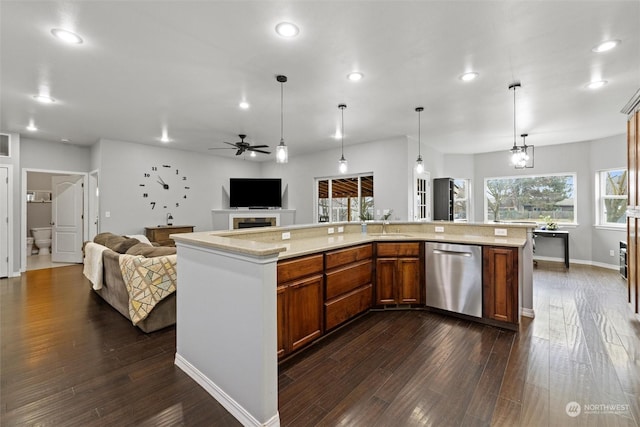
point(248, 296)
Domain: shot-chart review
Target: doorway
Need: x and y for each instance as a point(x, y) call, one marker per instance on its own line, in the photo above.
point(43, 210)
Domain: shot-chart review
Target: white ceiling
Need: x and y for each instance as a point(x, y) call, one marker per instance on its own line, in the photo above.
point(187, 64)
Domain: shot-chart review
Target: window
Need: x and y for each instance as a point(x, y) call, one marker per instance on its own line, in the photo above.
point(530, 198)
point(422, 194)
point(342, 199)
point(611, 197)
point(461, 202)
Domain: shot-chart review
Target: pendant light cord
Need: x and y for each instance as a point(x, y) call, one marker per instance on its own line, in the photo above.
point(342, 130)
point(281, 112)
point(419, 110)
point(514, 116)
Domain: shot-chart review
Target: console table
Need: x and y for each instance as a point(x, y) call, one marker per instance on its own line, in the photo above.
point(560, 234)
point(160, 234)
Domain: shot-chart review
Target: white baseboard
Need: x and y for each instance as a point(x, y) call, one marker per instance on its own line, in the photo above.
point(579, 261)
point(527, 312)
point(223, 398)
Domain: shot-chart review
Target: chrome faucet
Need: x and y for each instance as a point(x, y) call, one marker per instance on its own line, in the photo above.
point(384, 227)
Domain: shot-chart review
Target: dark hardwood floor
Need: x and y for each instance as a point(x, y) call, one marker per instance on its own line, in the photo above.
point(69, 359)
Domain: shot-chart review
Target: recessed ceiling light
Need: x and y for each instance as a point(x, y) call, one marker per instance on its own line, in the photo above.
point(355, 76)
point(597, 84)
point(606, 45)
point(244, 105)
point(287, 29)
point(467, 77)
point(66, 36)
point(65, 141)
point(32, 127)
point(44, 99)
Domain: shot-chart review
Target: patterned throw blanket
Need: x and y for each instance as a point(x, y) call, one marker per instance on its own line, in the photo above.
point(148, 280)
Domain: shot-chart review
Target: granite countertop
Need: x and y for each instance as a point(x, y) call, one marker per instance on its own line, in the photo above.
point(307, 245)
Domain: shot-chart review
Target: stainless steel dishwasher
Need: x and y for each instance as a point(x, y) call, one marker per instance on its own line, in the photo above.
point(454, 277)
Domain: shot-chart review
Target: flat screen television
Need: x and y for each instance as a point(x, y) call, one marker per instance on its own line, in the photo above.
point(255, 192)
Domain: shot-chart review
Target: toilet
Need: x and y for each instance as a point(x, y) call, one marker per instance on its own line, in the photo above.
point(29, 246)
point(42, 239)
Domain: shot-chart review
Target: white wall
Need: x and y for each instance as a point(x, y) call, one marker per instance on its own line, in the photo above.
point(387, 160)
point(121, 169)
point(583, 158)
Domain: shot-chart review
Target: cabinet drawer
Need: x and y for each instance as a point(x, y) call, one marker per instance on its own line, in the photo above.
point(398, 249)
point(345, 307)
point(348, 278)
point(296, 268)
point(347, 256)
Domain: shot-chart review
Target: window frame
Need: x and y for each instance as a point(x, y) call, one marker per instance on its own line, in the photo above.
point(600, 197)
point(316, 204)
point(467, 200)
point(574, 192)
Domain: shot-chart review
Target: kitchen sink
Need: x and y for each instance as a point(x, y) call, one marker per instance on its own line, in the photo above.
point(389, 235)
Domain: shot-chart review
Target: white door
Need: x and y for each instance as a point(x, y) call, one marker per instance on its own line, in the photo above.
point(93, 205)
point(4, 222)
point(66, 218)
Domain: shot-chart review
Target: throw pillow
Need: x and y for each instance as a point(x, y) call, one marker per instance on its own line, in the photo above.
point(125, 245)
point(151, 251)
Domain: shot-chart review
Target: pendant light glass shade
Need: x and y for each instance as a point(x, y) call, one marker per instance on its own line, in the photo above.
point(342, 163)
point(282, 153)
point(419, 163)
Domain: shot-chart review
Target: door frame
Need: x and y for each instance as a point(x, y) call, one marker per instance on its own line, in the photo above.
point(23, 225)
point(10, 235)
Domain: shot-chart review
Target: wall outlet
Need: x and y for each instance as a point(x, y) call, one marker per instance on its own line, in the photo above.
point(340, 229)
point(107, 214)
point(439, 229)
point(330, 230)
point(286, 235)
point(500, 231)
point(612, 253)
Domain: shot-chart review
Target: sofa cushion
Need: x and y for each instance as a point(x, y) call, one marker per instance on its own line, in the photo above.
point(125, 245)
point(149, 251)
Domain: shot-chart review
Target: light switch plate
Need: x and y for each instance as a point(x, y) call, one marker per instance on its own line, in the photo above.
point(500, 231)
point(439, 229)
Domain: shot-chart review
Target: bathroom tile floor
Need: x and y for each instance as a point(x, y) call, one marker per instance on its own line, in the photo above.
point(38, 262)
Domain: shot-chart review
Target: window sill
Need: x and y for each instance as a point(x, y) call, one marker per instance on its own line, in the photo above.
point(611, 227)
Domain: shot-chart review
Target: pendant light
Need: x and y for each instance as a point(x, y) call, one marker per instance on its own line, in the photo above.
point(282, 155)
point(342, 163)
point(516, 153)
point(527, 152)
point(419, 163)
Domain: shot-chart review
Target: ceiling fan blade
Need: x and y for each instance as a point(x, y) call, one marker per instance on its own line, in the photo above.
point(229, 143)
point(221, 148)
point(239, 152)
point(260, 151)
point(259, 146)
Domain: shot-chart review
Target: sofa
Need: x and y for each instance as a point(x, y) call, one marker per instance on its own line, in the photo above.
point(103, 267)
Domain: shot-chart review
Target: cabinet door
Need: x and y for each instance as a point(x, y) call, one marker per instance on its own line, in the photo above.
point(282, 323)
point(304, 307)
point(408, 280)
point(500, 282)
point(385, 281)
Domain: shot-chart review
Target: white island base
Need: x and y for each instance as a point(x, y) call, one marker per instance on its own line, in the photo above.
point(218, 343)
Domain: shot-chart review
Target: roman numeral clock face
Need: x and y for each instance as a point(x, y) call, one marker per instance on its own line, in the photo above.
point(164, 187)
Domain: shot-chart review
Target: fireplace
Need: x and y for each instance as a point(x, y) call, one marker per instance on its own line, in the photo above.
point(254, 222)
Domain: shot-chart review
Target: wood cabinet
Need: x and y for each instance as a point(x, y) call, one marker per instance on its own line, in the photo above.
point(500, 283)
point(348, 288)
point(299, 302)
point(398, 273)
point(632, 109)
point(161, 233)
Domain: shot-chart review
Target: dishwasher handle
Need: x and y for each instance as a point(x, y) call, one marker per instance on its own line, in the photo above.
point(455, 253)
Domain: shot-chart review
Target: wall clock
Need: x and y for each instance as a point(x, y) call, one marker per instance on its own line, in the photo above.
point(164, 187)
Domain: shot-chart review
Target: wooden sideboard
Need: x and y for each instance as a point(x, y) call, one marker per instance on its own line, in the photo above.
point(160, 234)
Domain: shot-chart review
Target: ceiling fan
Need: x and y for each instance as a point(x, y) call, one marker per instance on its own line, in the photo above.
point(242, 146)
